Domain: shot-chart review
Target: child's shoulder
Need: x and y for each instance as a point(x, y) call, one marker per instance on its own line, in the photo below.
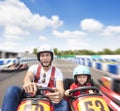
point(73, 85)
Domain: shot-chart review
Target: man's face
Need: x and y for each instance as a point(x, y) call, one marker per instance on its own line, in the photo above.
point(45, 58)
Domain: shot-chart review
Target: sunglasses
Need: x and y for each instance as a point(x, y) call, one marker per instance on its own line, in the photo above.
point(44, 78)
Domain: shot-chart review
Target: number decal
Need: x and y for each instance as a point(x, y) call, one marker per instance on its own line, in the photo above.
point(98, 103)
point(39, 107)
point(92, 104)
point(27, 107)
point(87, 104)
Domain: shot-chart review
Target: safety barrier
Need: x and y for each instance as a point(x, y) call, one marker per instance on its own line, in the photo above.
point(14, 60)
point(108, 65)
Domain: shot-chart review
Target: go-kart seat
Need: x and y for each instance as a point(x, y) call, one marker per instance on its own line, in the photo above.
point(67, 82)
point(92, 82)
point(116, 85)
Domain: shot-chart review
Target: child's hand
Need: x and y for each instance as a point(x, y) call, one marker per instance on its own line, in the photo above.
point(91, 91)
point(67, 92)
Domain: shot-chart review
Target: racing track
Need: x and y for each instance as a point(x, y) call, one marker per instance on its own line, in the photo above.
point(16, 78)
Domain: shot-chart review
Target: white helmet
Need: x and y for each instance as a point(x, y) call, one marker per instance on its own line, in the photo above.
point(42, 50)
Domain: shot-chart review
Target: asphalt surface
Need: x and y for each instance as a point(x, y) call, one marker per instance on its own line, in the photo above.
point(16, 78)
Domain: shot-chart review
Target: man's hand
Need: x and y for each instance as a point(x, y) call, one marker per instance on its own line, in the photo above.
point(55, 97)
point(30, 87)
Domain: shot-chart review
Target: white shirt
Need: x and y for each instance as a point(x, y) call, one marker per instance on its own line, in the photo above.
point(58, 74)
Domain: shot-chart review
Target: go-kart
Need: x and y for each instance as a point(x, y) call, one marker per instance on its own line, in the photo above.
point(39, 102)
point(110, 89)
point(5, 65)
point(87, 102)
point(14, 67)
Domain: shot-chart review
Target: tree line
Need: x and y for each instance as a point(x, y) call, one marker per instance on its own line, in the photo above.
point(105, 51)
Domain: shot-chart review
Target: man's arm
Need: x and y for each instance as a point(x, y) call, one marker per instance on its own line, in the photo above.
point(29, 86)
point(60, 87)
point(28, 77)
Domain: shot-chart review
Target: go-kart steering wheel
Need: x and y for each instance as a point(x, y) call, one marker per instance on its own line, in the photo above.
point(40, 92)
point(83, 89)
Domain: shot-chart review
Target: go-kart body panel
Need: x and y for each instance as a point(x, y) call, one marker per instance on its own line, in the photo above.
point(111, 98)
point(112, 95)
point(39, 102)
point(35, 105)
point(112, 105)
point(89, 103)
point(109, 88)
point(85, 102)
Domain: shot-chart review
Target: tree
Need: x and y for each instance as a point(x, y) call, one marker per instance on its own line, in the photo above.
point(35, 51)
point(117, 51)
point(56, 52)
point(107, 51)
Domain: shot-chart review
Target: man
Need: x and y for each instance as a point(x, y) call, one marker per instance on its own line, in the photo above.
point(43, 75)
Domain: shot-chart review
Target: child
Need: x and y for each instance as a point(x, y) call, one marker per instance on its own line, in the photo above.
point(82, 77)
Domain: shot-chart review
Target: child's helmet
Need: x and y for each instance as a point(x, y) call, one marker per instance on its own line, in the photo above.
point(81, 70)
point(42, 50)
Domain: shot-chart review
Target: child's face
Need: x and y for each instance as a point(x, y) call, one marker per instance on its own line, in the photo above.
point(82, 79)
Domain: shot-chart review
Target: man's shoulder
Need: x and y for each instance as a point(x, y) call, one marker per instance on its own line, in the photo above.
point(34, 66)
point(57, 69)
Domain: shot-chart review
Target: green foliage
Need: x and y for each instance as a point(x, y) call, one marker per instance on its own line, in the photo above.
point(35, 51)
point(71, 53)
point(85, 52)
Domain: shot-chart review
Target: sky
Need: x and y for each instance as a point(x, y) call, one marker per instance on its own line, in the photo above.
point(62, 24)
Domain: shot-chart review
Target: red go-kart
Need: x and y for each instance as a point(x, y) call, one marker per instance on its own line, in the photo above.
point(12, 67)
point(87, 102)
point(110, 89)
point(40, 102)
